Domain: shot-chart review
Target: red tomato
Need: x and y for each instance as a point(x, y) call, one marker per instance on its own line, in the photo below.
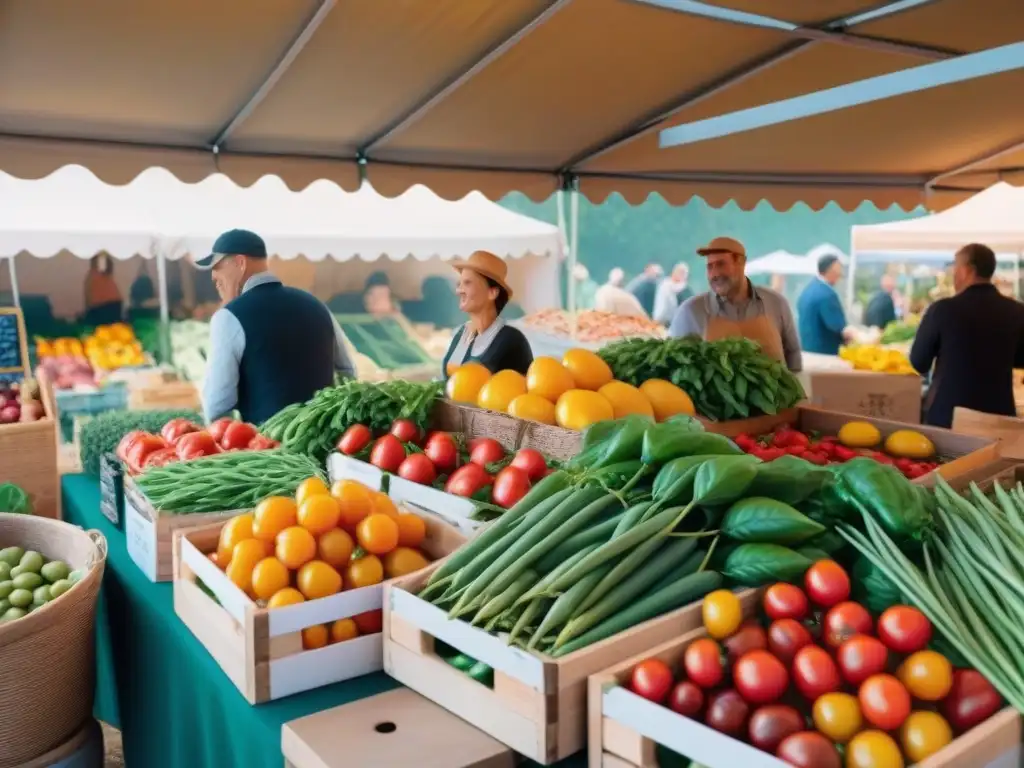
point(814, 672)
point(531, 462)
point(485, 450)
point(749, 637)
point(970, 701)
point(261, 443)
point(195, 445)
point(467, 481)
point(140, 448)
point(884, 702)
point(786, 637)
point(686, 699)
point(785, 601)
point(387, 453)
point(651, 679)
point(160, 458)
point(703, 662)
point(727, 713)
point(860, 657)
point(760, 677)
point(827, 583)
point(510, 485)
point(417, 468)
point(771, 724)
point(904, 629)
point(809, 749)
point(355, 439)
point(237, 436)
point(126, 442)
point(175, 428)
point(406, 431)
point(441, 450)
point(216, 429)
point(843, 621)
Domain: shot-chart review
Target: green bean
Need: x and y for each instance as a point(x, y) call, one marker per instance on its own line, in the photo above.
point(566, 604)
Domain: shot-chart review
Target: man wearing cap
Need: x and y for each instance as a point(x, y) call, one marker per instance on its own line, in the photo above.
point(735, 307)
point(822, 320)
point(270, 345)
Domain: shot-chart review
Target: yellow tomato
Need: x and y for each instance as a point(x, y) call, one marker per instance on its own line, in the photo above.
point(626, 399)
point(344, 629)
point(579, 408)
point(837, 715)
point(548, 378)
point(319, 513)
point(246, 555)
point(287, 596)
point(335, 548)
point(588, 370)
point(906, 443)
point(235, 530)
point(273, 515)
point(530, 407)
point(722, 613)
point(311, 486)
point(354, 501)
point(500, 390)
point(667, 399)
point(465, 383)
point(295, 547)
point(859, 434)
point(269, 577)
point(364, 572)
point(315, 637)
point(317, 579)
point(402, 561)
point(923, 734)
point(928, 675)
point(873, 749)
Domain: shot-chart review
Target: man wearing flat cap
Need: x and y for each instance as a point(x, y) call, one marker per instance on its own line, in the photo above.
point(735, 307)
point(270, 345)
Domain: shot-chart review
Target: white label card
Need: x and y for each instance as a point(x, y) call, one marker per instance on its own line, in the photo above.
point(141, 539)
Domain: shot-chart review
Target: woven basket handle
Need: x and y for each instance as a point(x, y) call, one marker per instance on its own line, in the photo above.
point(100, 542)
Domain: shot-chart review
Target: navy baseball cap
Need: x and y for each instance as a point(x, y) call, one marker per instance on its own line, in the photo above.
point(234, 242)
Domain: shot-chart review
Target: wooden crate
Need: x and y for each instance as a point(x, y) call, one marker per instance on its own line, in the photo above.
point(28, 457)
point(512, 433)
point(1006, 429)
point(165, 396)
point(260, 650)
point(149, 532)
point(624, 729)
point(538, 705)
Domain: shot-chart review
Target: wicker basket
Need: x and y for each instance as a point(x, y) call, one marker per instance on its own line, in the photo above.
point(47, 661)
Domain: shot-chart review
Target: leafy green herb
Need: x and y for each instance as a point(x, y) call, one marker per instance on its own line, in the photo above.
point(13, 499)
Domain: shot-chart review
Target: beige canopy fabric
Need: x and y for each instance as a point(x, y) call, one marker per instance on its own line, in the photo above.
point(502, 95)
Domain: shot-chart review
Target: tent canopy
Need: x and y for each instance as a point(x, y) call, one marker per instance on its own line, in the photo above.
point(501, 95)
point(786, 263)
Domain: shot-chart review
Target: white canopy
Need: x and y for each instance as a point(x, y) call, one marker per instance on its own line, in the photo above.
point(786, 263)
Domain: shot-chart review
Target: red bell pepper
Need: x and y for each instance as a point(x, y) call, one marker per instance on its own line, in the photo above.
point(196, 445)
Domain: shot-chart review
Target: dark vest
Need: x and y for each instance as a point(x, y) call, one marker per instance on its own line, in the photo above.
point(289, 349)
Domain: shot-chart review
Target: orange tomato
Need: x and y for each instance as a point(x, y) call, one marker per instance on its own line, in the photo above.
point(286, 596)
point(317, 579)
point(411, 530)
point(335, 548)
point(315, 637)
point(319, 513)
point(311, 486)
point(369, 622)
point(269, 577)
point(214, 557)
point(354, 502)
point(377, 534)
point(344, 629)
point(246, 555)
point(272, 516)
point(235, 530)
point(381, 504)
point(295, 547)
point(364, 572)
point(402, 561)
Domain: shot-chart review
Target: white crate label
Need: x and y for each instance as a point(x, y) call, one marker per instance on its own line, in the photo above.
point(140, 534)
point(341, 467)
point(444, 504)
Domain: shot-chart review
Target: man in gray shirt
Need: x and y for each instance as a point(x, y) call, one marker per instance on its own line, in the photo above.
point(735, 307)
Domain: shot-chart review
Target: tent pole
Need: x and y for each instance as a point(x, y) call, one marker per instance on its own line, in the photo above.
point(165, 315)
point(15, 293)
point(574, 218)
point(851, 291)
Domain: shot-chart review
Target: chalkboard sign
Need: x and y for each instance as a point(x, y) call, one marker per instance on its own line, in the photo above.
point(13, 345)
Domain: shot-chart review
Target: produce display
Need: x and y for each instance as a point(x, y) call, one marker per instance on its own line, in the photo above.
point(28, 581)
point(102, 434)
point(573, 393)
point(817, 671)
point(321, 541)
point(900, 332)
point(592, 325)
point(383, 340)
point(108, 348)
point(19, 402)
point(872, 357)
point(182, 439)
point(190, 346)
point(911, 452)
point(726, 379)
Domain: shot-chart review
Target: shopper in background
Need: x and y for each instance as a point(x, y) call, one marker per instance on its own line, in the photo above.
point(822, 320)
point(735, 307)
point(612, 297)
point(645, 287)
point(586, 289)
point(974, 339)
point(103, 301)
point(672, 292)
point(881, 310)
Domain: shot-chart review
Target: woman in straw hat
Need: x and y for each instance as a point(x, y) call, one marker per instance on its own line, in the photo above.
point(483, 293)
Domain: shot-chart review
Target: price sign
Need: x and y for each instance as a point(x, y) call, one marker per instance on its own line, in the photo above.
point(13, 344)
point(140, 534)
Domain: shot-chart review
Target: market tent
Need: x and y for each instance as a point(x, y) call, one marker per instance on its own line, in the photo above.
point(501, 95)
point(786, 263)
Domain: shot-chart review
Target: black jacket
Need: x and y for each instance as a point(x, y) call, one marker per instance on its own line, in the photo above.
point(977, 338)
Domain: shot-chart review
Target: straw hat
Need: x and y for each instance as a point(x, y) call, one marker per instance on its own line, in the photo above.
point(486, 264)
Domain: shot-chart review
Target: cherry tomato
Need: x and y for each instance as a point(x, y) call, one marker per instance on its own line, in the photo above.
point(827, 583)
point(441, 449)
point(355, 439)
point(651, 679)
point(843, 621)
point(195, 445)
point(814, 672)
point(785, 601)
point(860, 657)
point(387, 453)
point(786, 637)
point(884, 702)
point(809, 750)
point(485, 450)
point(923, 734)
point(971, 700)
point(928, 675)
point(749, 637)
point(904, 629)
point(760, 677)
point(727, 712)
point(406, 431)
point(873, 749)
point(417, 468)
point(770, 724)
point(531, 462)
point(219, 427)
point(467, 480)
point(510, 485)
point(837, 715)
point(722, 613)
point(686, 699)
point(702, 661)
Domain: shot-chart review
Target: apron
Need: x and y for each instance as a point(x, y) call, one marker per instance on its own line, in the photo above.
point(472, 344)
point(759, 329)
